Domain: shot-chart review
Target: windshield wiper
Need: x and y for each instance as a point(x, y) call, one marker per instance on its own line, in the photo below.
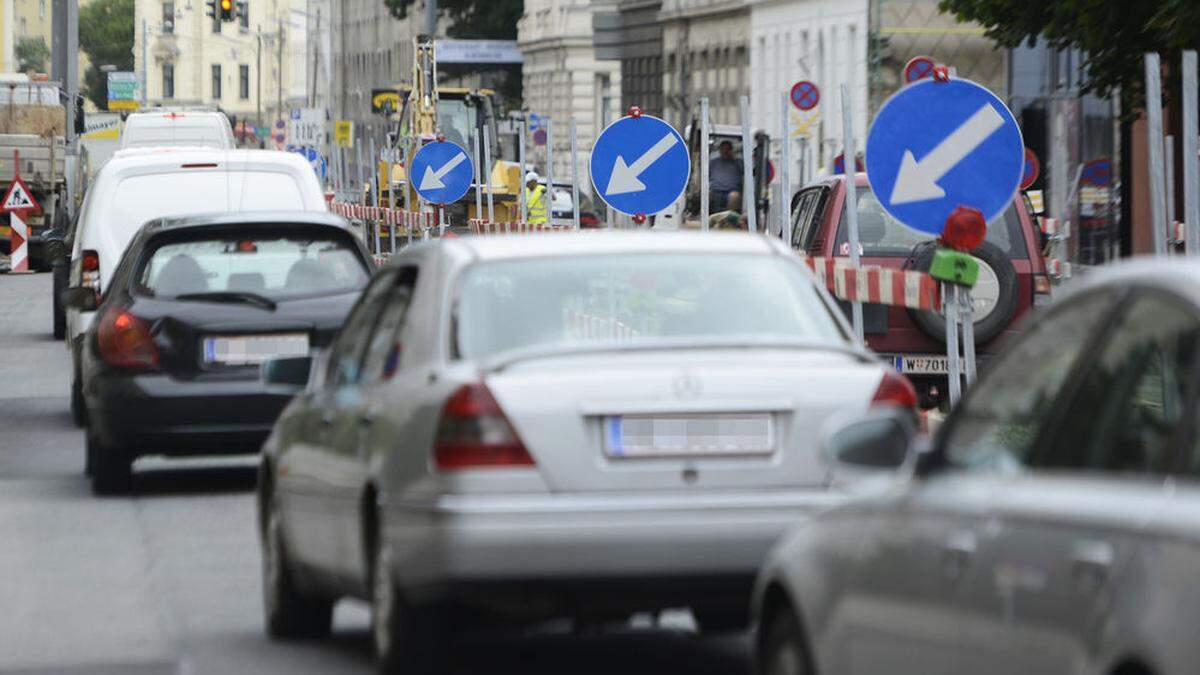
point(231, 296)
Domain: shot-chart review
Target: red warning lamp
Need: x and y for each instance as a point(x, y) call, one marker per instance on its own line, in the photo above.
point(965, 229)
point(246, 246)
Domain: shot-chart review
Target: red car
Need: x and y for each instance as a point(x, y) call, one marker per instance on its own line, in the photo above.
point(1012, 278)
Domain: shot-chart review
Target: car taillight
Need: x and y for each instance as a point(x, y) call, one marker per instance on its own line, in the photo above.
point(125, 340)
point(473, 432)
point(90, 261)
point(89, 272)
point(895, 389)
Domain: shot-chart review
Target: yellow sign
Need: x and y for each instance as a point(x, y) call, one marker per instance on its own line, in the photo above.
point(117, 104)
point(804, 123)
point(343, 133)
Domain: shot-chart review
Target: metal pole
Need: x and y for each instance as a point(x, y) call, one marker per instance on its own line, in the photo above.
point(704, 152)
point(1191, 163)
point(950, 308)
point(966, 313)
point(487, 161)
point(521, 159)
point(258, 118)
point(279, 71)
point(748, 205)
point(608, 217)
point(1169, 168)
point(359, 195)
point(431, 17)
point(785, 174)
point(549, 196)
point(391, 199)
point(851, 190)
point(375, 196)
point(574, 173)
point(145, 39)
point(441, 219)
point(1154, 145)
point(477, 169)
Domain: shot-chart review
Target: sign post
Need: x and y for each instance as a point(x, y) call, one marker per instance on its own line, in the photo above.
point(1191, 163)
point(1154, 146)
point(851, 190)
point(749, 203)
point(639, 165)
point(574, 175)
point(704, 152)
point(785, 182)
point(18, 203)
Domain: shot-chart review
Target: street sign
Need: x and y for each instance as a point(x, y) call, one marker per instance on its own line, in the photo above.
point(839, 164)
point(1032, 169)
point(918, 68)
point(478, 51)
point(314, 157)
point(124, 90)
point(805, 95)
point(343, 133)
point(306, 126)
point(639, 165)
point(935, 146)
point(443, 171)
point(18, 197)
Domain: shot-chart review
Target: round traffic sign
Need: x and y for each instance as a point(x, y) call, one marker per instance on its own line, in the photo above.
point(918, 68)
point(805, 95)
point(770, 171)
point(1032, 169)
point(839, 164)
point(539, 137)
point(442, 171)
point(935, 146)
point(639, 165)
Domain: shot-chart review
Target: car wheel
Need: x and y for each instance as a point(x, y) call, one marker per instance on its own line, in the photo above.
point(59, 314)
point(112, 467)
point(783, 653)
point(78, 403)
point(287, 611)
point(404, 638)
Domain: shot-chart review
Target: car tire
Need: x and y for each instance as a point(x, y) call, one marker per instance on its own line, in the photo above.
point(78, 403)
point(404, 638)
point(112, 467)
point(59, 313)
point(288, 612)
point(783, 649)
point(933, 324)
point(720, 620)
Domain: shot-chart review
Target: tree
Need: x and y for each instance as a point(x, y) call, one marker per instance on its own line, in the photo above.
point(32, 53)
point(106, 36)
point(1112, 34)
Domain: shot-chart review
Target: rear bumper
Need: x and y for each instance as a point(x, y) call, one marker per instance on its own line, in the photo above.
point(152, 414)
point(636, 551)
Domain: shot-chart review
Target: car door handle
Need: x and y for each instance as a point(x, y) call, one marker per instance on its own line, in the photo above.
point(1091, 563)
point(957, 553)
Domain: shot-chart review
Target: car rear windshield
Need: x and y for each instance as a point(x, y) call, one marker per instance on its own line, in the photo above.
point(703, 298)
point(276, 265)
point(882, 235)
point(208, 136)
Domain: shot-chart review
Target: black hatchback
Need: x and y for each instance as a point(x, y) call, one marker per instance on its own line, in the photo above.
point(196, 305)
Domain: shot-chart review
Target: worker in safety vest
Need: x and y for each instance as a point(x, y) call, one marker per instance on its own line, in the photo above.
point(535, 199)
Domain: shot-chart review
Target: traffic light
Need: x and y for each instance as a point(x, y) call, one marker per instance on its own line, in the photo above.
point(211, 10)
point(226, 7)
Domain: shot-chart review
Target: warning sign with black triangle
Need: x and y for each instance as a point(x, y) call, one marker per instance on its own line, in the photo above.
point(18, 197)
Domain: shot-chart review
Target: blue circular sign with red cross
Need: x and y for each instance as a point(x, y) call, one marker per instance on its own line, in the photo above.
point(805, 95)
point(1032, 169)
point(918, 68)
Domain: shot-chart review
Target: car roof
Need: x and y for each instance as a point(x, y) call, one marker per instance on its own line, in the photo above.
point(173, 156)
point(605, 242)
point(1180, 274)
point(166, 117)
point(247, 218)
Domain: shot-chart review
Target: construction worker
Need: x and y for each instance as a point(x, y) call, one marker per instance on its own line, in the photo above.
point(535, 199)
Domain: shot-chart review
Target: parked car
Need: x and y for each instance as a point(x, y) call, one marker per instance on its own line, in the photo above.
point(136, 186)
point(1012, 277)
point(1049, 527)
point(195, 306)
point(538, 426)
point(189, 128)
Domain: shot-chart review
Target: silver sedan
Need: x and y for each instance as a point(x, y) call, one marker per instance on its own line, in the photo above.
point(531, 426)
point(1053, 526)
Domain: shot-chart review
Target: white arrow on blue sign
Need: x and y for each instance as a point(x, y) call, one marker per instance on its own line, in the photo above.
point(640, 165)
point(442, 171)
point(938, 145)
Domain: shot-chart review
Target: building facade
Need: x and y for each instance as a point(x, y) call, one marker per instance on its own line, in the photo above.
point(30, 20)
point(706, 53)
point(563, 80)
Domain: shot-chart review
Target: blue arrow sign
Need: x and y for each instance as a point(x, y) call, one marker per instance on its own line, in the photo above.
point(314, 158)
point(938, 145)
point(442, 172)
point(640, 165)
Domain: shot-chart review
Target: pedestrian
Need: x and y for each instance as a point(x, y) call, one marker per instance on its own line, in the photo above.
point(535, 199)
point(724, 176)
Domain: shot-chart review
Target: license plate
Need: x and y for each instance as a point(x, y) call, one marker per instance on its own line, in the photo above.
point(688, 435)
point(924, 365)
point(253, 349)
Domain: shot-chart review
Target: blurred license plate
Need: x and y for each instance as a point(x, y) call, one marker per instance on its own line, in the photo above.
point(924, 365)
point(688, 435)
point(253, 349)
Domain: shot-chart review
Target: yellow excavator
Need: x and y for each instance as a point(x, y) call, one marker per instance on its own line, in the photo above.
point(421, 110)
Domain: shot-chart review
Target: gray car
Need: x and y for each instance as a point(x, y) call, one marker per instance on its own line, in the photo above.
point(1051, 528)
point(558, 424)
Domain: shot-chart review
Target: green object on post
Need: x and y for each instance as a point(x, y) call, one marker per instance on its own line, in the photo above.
point(954, 267)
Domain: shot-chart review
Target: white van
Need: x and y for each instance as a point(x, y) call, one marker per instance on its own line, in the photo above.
point(170, 128)
point(136, 186)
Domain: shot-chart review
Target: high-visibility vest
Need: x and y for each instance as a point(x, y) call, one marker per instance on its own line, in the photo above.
point(535, 204)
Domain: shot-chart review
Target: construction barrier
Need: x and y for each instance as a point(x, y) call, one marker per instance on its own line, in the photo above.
point(19, 241)
point(584, 326)
point(879, 285)
point(482, 226)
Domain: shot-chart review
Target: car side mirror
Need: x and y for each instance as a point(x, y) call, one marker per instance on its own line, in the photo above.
point(289, 373)
point(882, 439)
point(81, 298)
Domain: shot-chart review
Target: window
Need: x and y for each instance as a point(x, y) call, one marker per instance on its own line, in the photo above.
point(243, 82)
point(216, 81)
point(345, 354)
point(385, 349)
point(216, 22)
point(168, 17)
point(1000, 420)
point(1131, 399)
point(168, 80)
point(243, 14)
point(806, 219)
point(41, 9)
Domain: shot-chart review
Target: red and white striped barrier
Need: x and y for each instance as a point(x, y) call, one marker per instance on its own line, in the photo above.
point(1056, 227)
point(879, 285)
point(1059, 269)
point(584, 326)
point(383, 214)
point(1180, 232)
point(19, 251)
point(482, 226)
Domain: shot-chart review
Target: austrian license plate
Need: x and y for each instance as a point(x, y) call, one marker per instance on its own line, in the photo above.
point(924, 365)
point(688, 435)
point(239, 350)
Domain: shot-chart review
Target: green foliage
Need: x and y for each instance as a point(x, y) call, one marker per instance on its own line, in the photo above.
point(1113, 34)
point(32, 55)
point(106, 36)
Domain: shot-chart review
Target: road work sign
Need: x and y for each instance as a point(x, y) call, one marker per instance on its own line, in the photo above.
point(442, 171)
point(640, 165)
point(938, 145)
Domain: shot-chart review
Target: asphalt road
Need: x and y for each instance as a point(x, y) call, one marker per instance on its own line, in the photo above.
point(167, 581)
